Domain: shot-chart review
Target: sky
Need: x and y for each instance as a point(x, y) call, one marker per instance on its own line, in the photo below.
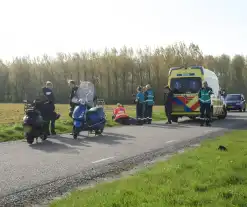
point(35, 27)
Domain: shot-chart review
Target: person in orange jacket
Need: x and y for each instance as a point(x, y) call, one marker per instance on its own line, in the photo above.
point(120, 116)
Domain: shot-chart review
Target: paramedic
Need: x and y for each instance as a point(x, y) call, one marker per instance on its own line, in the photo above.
point(139, 105)
point(205, 103)
point(120, 116)
point(149, 102)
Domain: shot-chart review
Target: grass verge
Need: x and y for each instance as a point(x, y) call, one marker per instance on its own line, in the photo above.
point(203, 176)
point(11, 117)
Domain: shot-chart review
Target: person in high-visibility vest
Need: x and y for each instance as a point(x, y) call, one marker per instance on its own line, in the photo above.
point(139, 105)
point(144, 89)
point(149, 102)
point(120, 116)
point(204, 96)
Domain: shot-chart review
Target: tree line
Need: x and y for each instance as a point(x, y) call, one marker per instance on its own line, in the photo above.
point(115, 73)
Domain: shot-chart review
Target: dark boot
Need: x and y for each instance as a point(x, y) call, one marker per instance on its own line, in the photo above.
point(139, 122)
point(202, 122)
point(169, 121)
point(208, 123)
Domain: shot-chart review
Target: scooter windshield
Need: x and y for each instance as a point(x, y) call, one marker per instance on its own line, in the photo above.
point(86, 93)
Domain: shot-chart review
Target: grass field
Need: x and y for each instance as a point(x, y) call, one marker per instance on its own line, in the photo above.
point(11, 116)
point(201, 177)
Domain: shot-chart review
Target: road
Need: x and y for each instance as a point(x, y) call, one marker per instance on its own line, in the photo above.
point(24, 166)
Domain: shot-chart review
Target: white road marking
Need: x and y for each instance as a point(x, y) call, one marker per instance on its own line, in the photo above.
point(170, 141)
point(104, 159)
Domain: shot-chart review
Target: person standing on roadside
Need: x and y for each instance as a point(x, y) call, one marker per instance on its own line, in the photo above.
point(144, 106)
point(204, 96)
point(149, 102)
point(168, 96)
point(48, 93)
point(74, 89)
point(139, 105)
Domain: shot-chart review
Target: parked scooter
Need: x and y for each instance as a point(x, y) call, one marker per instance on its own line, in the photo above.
point(33, 123)
point(87, 117)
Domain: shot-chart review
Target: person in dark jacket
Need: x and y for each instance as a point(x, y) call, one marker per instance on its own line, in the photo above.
point(48, 93)
point(168, 96)
point(139, 105)
point(204, 96)
point(74, 89)
point(149, 102)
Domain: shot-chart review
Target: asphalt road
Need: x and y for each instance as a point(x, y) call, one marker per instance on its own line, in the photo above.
point(23, 167)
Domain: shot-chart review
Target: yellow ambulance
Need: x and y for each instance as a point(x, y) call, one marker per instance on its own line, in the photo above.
point(185, 82)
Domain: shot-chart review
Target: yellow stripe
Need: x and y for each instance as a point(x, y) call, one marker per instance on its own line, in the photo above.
point(192, 102)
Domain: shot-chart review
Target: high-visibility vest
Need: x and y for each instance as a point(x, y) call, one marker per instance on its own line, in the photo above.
point(205, 95)
point(149, 97)
point(119, 112)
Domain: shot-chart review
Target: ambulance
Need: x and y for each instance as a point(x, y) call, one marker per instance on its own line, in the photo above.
point(185, 82)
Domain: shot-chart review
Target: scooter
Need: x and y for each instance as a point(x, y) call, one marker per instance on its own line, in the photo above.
point(33, 123)
point(88, 119)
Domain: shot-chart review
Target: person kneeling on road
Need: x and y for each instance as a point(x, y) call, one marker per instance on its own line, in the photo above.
point(120, 116)
point(205, 104)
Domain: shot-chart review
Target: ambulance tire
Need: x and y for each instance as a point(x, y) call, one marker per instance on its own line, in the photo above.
point(174, 119)
point(212, 114)
point(224, 114)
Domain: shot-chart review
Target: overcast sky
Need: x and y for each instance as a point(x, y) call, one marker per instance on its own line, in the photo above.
point(35, 27)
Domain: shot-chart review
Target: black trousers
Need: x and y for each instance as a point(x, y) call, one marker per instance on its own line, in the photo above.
point(168, 110)
point(149, 111)
point(126, 121)
point(139, 111)
point(49, 126)
point(205, 109)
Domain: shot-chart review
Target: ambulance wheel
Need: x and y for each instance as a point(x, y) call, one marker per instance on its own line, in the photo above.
point(174, 119)
point(224, 114)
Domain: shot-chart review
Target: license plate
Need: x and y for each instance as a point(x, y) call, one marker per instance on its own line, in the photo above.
point(27, 128)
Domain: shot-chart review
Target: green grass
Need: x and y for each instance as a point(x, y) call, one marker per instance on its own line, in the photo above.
point(203, 176)
point(11, 117)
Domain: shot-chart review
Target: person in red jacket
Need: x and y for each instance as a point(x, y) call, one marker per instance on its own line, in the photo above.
point(120, 116)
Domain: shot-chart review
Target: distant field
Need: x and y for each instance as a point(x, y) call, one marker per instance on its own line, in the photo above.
point(11, 116)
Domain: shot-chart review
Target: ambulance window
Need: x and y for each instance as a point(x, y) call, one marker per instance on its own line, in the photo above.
point(186, 85)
